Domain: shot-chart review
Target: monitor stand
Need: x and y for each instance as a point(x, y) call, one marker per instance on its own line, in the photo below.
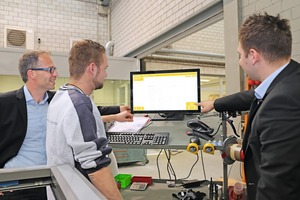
point(168, 117)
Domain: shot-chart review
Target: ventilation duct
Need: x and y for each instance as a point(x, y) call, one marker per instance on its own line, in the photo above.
point(18, 37)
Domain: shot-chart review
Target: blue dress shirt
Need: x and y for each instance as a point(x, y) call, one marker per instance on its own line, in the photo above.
point(261, 90)
point(33, 149)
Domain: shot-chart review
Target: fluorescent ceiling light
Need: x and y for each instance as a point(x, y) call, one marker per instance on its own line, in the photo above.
point(204, 80)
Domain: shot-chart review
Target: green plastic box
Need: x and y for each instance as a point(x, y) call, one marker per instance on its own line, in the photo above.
point(124, 179)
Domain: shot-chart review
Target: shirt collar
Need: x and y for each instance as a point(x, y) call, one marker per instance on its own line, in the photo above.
point(261, 90)
point(28, 96)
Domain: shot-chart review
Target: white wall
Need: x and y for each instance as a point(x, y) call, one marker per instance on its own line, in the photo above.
point(55, 22)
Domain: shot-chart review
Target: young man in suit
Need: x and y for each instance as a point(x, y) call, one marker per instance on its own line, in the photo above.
point(272, 163)
point(75, 131)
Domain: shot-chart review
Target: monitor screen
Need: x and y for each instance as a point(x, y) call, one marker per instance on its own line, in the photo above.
point(165, 91)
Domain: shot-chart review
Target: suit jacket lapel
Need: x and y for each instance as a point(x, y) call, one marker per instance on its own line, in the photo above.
point(21, 104)
point(254, 107)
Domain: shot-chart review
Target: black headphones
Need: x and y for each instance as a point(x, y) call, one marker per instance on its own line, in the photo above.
point(200, 127)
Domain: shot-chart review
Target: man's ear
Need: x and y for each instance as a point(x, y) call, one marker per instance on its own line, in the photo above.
point(30, 74)
point(92, 68)
point(254, 56)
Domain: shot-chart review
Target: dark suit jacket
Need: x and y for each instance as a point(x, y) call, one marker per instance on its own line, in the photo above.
point(240, 101)
point(108, 110)
point(272, 140)
point(13, 123)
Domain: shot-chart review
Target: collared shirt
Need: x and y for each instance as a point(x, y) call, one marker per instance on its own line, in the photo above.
point(261, 90)
point(33, 150)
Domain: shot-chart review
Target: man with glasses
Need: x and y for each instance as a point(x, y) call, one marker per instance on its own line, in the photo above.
point(23, 119)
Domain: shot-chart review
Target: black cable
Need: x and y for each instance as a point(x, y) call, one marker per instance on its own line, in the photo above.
point(191, 168)
point(176, 153)
point(230, 122)
point(167, 165)
point(157, 165)
point(204, 173)
point(170, 168)
point(213, 134)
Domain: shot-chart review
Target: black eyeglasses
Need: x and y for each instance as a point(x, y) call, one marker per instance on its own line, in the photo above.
point(49, 69)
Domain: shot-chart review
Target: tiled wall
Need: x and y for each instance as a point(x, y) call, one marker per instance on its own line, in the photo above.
point(55, 22)
point(209, 39)
point(134, 22)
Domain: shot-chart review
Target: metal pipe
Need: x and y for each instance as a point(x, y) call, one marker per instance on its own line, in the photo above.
point(188, 52)
point(163, 57)
point(225, 170)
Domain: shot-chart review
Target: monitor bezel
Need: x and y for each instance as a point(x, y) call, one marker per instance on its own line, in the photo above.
point(197, 70)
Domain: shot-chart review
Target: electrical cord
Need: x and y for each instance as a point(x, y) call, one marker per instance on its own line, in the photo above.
point(203, 167)
point(157, 165)
point(176, 153)
point(170, 168)
point(213, 134)
point(230, 122)
point(197, 159)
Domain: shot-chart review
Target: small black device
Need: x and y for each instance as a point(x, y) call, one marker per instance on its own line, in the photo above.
point(193, 147)
point(189, 195)
point(200, 129)
point(195, 139)
point(199, 126)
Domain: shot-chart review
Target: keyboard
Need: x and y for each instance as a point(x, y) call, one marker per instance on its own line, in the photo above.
point(153, 138)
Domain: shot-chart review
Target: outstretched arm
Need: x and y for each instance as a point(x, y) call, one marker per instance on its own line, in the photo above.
point(240, 101)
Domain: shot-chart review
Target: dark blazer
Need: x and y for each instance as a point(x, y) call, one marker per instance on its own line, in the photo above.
point(240, 101)
point(108, 110)
point(272, 140)
point(13, 123)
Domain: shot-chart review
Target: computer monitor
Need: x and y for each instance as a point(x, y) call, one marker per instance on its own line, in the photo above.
point(169, 93)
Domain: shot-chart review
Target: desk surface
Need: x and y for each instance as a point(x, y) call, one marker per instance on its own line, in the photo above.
point(177, 129)
point(159, 190)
